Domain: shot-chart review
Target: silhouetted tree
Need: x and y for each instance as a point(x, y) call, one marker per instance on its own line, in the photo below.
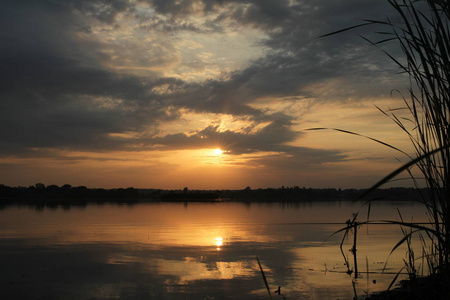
point(39, 186)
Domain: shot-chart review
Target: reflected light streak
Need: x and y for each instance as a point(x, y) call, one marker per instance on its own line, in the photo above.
point(184, 244)
point(191, 269)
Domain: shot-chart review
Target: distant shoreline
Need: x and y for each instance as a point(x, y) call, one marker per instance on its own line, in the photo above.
point(68, 195)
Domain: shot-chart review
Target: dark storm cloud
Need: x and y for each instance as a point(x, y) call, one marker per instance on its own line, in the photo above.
point(57, 93)
point(103, 10)
point(297, 58)
point(48, 83)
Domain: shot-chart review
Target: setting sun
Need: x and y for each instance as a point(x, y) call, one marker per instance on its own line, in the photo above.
point(211, 106)
point(218, 151)
point(219, 241)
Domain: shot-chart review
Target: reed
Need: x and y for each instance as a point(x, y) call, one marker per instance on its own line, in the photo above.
point(264, 278)
point(422, 33)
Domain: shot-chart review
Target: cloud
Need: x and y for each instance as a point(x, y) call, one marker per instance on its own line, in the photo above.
point(108, 75)
point(56, 95)
point(272, 140)
point(272, 137)
point(103, 10)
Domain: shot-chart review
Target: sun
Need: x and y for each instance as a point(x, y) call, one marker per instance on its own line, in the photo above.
point(218, 151)
point(219, 241)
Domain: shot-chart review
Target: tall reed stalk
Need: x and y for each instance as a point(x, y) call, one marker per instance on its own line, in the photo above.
point(422, 31)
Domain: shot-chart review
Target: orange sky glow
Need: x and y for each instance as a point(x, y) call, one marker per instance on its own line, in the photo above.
point(203, 94)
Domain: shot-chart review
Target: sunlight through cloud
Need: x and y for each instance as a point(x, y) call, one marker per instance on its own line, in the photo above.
point(218, 151)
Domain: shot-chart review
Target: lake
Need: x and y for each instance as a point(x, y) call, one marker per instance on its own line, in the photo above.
point(195, 250)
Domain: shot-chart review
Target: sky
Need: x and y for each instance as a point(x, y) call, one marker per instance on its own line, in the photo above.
point(205, 94)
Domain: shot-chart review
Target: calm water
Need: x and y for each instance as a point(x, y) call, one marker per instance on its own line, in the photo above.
point(192, 251)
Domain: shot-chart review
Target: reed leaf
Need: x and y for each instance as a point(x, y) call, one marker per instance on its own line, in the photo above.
point(400, 170)
point(264, 277)
point(358, 134)
point(395, 279)
point(421, 32)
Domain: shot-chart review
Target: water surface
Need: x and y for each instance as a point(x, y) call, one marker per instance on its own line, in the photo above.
point(194, 251)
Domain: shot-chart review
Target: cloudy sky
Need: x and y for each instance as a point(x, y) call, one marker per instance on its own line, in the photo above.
point(141, 93)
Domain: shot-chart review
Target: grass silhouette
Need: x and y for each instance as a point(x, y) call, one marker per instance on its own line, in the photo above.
point(422, 33)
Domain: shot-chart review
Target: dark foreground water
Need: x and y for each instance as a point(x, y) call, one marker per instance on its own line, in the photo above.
point(194, 251)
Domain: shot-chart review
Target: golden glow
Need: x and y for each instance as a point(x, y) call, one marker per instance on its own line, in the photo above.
point(205, 226)
point(219, 241)
point(191, 122)
point(191, 269)
point(218, 151)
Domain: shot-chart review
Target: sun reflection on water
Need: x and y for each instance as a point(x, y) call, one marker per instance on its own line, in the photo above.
point(174, 248)
point(192, 269)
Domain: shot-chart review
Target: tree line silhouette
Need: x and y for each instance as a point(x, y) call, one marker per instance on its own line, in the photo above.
point(66, 194)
